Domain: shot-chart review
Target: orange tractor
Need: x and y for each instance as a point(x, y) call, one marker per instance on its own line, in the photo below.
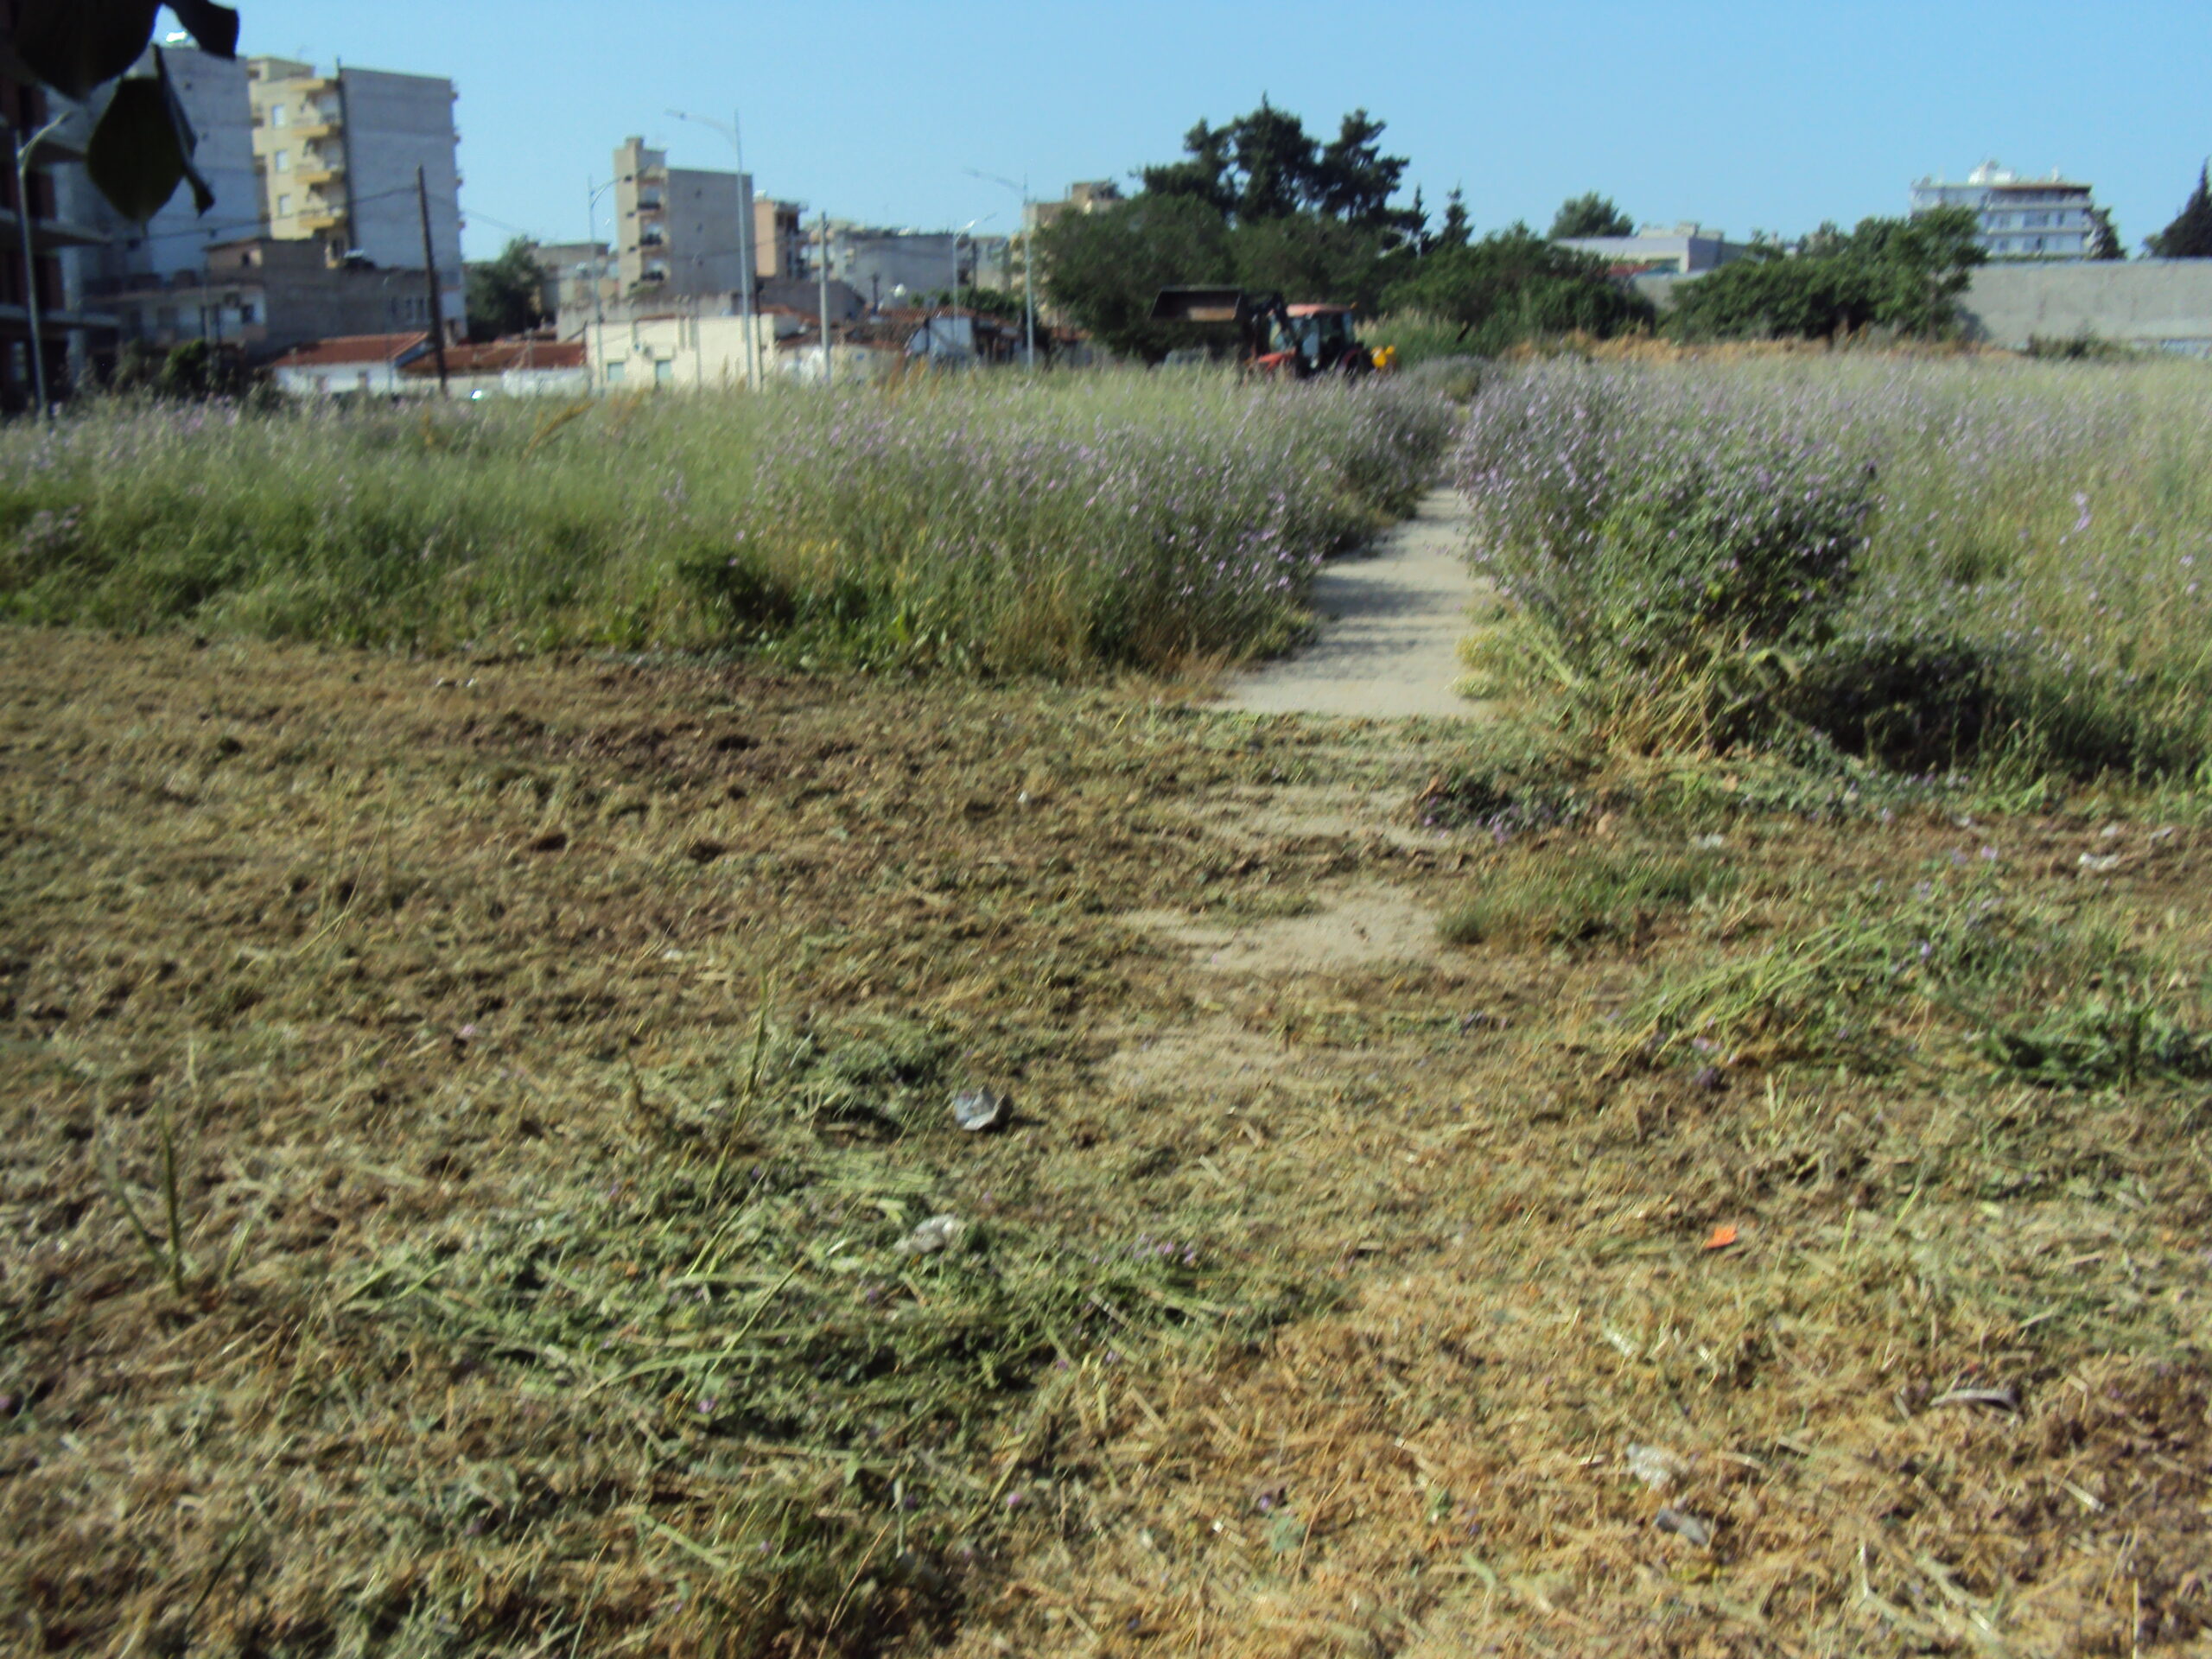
point(1278, 340)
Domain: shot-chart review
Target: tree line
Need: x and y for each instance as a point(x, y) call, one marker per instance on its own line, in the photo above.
point(1262, 203)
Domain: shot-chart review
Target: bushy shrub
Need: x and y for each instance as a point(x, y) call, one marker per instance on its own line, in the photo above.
point(1663, 547)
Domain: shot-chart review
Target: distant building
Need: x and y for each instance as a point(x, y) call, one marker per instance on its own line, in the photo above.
point(63, 234)
point(338, 155)
point(680, 352)
point(1086, 197)
point(679, 230)
point(2021, 219)
point(890, 268)
point(213, 92)
point(533, 365)
point(1657, 250)
point(365, 366)
point(778, 239)
point(266, 296)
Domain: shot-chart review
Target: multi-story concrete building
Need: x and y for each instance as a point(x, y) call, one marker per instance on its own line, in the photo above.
point(679, 230)
point(778, 239)
point(2021, 219)
point(338, 156)
point(213, 92)
point(1086, 196)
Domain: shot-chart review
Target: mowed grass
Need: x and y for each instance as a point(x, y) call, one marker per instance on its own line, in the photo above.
point(551, 1056)
point(1067, 525)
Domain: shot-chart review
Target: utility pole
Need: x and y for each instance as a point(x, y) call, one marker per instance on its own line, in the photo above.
point(430, 266)
point(828, 363)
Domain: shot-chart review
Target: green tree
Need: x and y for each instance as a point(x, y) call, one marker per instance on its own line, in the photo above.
point(1256, 202)
point(1515, 285)
point(2189, 236)
point(1591, 214)
point(1105, 269)
point(2104, 236)
point(1456, 230)
point(1905, 274)
point(505, 294)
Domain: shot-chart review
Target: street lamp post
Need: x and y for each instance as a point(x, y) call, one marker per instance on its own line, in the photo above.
point(1028, 281)
point(24, 153)
point(745, 255)
point(591, 194)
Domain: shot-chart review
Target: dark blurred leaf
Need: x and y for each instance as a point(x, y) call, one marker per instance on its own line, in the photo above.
point(216, 27)
point(74, 45)
point(142, 148)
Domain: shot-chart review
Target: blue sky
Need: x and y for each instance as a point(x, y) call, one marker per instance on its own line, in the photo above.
point(1746, 115)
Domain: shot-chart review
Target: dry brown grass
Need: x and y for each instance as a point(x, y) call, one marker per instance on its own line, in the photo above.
point(521, 1318)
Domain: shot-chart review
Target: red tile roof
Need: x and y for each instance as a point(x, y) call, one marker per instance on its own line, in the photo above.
point(351, 349)
point(496, 356)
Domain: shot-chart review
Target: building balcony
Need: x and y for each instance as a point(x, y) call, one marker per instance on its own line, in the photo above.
point(315, 170)
point(48, 235)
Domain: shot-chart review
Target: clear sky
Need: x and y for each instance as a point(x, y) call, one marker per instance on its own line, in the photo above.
point(1746, 115)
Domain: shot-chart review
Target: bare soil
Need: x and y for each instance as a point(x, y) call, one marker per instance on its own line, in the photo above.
point(550, 1055)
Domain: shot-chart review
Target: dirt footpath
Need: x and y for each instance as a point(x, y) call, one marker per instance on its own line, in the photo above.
point(1390, 646)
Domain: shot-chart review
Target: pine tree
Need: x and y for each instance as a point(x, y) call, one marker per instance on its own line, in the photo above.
point(2189, 237)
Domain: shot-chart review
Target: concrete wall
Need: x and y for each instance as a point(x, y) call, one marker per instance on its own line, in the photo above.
point(2164, 304)
point(395, 123)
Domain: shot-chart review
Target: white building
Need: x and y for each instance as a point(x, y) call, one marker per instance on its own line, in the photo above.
point(2021, 219)
point(1659, 250)
point(338, 155)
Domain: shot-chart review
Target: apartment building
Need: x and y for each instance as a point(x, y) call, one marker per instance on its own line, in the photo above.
point(337, 153)
point(679, 230)
point(213, 92)
point(71, 337)
point(2021, 219)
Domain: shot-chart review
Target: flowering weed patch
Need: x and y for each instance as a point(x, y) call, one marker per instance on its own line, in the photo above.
point(1060, 527)
point(1924, 560)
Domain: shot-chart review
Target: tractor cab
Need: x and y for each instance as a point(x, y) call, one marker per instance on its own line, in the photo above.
point(1322, 335)
point(1296, 340)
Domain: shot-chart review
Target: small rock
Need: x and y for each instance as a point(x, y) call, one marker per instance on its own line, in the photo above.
point(1655, 1466)
point(1710, 844)
point(2097, 864)
point(1693, 1529)
point(938, 1233)
point(978, 1110)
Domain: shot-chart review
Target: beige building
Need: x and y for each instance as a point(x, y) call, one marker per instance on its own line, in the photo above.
point(679, 353)
point(338, 153)
point(679, 230)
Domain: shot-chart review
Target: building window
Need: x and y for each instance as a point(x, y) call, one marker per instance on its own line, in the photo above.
point(283, 207)
point(284, 160)
point(276, 115)
point(663, 374)
point(615, 371)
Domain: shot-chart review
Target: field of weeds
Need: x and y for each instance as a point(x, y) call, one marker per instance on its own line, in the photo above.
point(1064, 526)
point(481, 1174)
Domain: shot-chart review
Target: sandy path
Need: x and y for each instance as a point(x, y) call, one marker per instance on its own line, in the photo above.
point(1390, 648)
